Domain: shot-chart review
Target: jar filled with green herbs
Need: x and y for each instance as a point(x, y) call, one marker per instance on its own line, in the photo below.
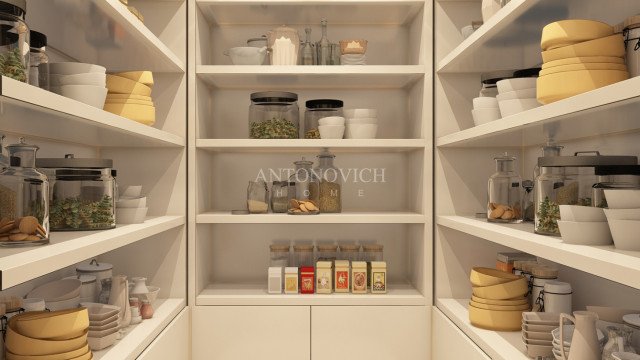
point(14, 40)
point(274, 115)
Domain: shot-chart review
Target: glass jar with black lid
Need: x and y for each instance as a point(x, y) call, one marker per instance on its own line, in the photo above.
point(274, 115)
point(316, 110)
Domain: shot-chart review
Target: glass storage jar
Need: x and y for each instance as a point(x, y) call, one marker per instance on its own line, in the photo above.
point(14, 40)
point(284, 43)
point(303, 255)
point(326, 252)
point(505, 192)
point(259, 43)
point(257, 197)
point(38, 61)
point(279, 255)
point(349, 252)
point(4, 160)
point(24, 199)
point(274, 115)
point(306, 182)
point(330, 184)
point(316, 110)
point(528, 204)
point(614, 177)
point(280, 196)
point(81, 193)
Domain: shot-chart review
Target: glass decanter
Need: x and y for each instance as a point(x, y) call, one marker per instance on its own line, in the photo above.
point(307, 53)
point(323, 46)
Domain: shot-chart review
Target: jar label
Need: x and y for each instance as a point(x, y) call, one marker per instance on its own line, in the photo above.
point(324, 281)
point(360, 281)
point(307, 284)
point(379, 281)
point(342, 280)
point(291, 284)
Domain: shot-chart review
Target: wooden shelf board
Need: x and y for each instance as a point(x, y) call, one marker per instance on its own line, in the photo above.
point(343, 218)
point(297, 145)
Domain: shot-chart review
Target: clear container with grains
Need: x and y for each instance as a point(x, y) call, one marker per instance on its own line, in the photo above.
point(274, 115)
point(349, 252)
point(303, 255)
point(330, 187)
point(281, 193)
point(316, 110)
point(14, 40)
point(326, 252)
point(306, 185)
point(279, 255)
point(504, 192)
point(257, 197)
point(39, 61)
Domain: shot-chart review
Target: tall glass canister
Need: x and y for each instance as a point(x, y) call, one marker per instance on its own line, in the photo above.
point(505, 192)
point(306, 182)
point(330, 187)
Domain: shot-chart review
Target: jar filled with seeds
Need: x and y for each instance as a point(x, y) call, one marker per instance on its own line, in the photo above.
point(274, 115)
point(280, 196)
point(330, 186)
point(305, 198)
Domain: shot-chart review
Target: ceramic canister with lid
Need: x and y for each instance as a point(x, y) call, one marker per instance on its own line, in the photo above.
point(275, 280)
point(541, 274)
point(632, 44)
point(557, 297)
point(88, 289)
point(100, 270)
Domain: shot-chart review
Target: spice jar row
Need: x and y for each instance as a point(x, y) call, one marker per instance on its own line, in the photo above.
point(304, 254)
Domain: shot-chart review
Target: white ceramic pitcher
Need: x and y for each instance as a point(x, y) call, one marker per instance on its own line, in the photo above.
point(584, 343)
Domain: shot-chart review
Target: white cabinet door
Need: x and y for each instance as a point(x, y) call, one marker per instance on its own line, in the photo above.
point(370, 332)
point(450, 343)
point(172, 343)
point(251, 332)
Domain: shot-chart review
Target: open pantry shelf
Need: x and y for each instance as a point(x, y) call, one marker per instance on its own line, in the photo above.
point(139, 336)
point(343, 218)
point(605, 261)
point(310, 77)
point(298, 145)
point(580, 116)
point(256, 294)
point(103, 32)
point(51, 116)
point(18, 265)
point(498, 345)
point(353, 12)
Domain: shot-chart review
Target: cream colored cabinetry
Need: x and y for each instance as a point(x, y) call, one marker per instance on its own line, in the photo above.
point(173, 342)
point(450, 342)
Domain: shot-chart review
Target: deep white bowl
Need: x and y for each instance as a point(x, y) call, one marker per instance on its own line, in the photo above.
point(33, 304)
point(483, 116)
point(622, 214)
point(517, 94)
point(625, 234)
point(362, 120)
point(131, 215)
point(516, 84)
point(64, 304)
point(88, 94)
point(623, 198)
point(95, 79)
point(247, 55)
point(71, 68)
point(58, 290)
point(331, 120)
point(582, 213)
point(137, 202)
point(132, 191)
point(360, 113)
point(485, 103)
point(515, 106)
point(585, 233)
point(331, 131)
point(362, 131)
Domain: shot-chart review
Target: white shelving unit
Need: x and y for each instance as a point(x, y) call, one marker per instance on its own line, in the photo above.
point(342, 218)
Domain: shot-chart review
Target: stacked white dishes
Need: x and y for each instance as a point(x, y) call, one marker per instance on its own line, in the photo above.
point(623, 216)
point(331, 127)
point(103, 325)
point(361, 123)
point(130, 96)
point(568, 335)
point(516, 95)
point(131, 207)
point(58, 295)
point(584, 225)
point(536, 332)
point(82, 82)
point(485, 109)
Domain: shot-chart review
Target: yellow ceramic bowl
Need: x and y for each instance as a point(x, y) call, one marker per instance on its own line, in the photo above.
point(495, 320)
point(144, 77)
point(578, 67)
point(570, 32)
point(481, 276)
point(508, 302)
point(23, 345)
point(606, 46)
point(558, 86)
point(583, 60)
point(140, 113)
point(510, 290)
point(521, 307)
point(62, 325)
point(129, 102)
point(112, 96)
point(120, 85)
point(80, 353)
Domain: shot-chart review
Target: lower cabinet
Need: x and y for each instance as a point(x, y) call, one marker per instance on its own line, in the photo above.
point(173, 341)
point(451, 343)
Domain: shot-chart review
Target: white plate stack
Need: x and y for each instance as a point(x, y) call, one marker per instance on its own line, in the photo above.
point(82, 82)
point(568, 335)
point(331, 127)
point(623, 217)
point(485, 109)
point(103, 325)
point(131, 207)
point(516, 95)
point(361, 123)
point(536, 332)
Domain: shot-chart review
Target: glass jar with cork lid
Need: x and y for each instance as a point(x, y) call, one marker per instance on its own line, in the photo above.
point(349, 252)
point(303, 255)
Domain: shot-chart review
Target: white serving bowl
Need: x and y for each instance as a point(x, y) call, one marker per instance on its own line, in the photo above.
point(331, 131)
point(360, 113)
point(58, 290)
point(247, 55)
point(95, 79)
point(625, 234)
point(33, 304)
point(132, 191)
point(623, 198)
point(582, 213)
point(63, 304)
point(362, 120)
point(485, 103)
point(483, 116)
point(88, 94)
point(362, 131)
point(585, 233)
point(72, 68)
point(515, 106)
point(517, 94)
point(622, 214)
point(514, 84)
point(331, 120)
point(131, 215)
point(625, 356)
point(137, 202)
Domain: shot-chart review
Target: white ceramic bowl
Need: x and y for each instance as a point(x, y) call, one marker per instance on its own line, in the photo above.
point(58, 290)
point(33, 304)
point(247, 55)
point(625, 234)
point(360, 113)
point(63, 304)
point(99, 343)
point(582, 213)
point(362, 120)
point(623, 199)
point(515, 106)
point(125, 202)
point(132, 191)
point(514, 84)
point(485, 103)
point(96, 323)
point(72, 68)
point(585, 233)
point(100, 312)
point(107, 326)
point(625, 356)
point(331, 131)
point(131, 215)
point(95, 79)
point(483, 116)
point(622, 214)
point(517, 94)
point(362, 131)
point(331, 120)
point(88, 94)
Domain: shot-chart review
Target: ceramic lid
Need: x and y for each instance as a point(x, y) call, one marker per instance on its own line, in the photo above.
point(279, 247)
point(359, 264)
point(290, 270)
point(69, 161)
point(94, 266)
point(323, 264)
point(379, 264)
point(303, 248)
point(327, 247)
point(85, 279)
point(342, 263)
point(557, 287)
point(544, 272)
point(349, 247)
point(578, 160)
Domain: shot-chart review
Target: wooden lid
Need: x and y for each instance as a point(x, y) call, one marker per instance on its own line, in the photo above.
point(342, 263)
point(323, 264)
point(379, 264)
point(359, 264)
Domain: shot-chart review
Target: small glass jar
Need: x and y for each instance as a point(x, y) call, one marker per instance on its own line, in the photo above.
point(279, 255)
point(505, 192)
point(330, 187)
point(24, 199)
point(349, 252)
point(14, 41)
point(260, 42)
point(371, 253)
point(303, 255)
point(316, 110)
point(280, 196)
point(38, 61)
point(306, 182)
point(4, 160)
point(528, 203)
point(257, 197)
point(274, 115)
point(326, 252)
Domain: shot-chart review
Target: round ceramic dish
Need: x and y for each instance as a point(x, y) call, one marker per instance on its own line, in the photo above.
point(72, 68)
point(95, 79)
point(585, 233)
point(622, 214)
point(485, 102)
point(481, 276)
point(623, 199)
point(88, 94)
point(121, 85)
point(625, 234)
point(495, 320)
point(581, 213)
point(360, 113)
point(57, 290)
point(509, 302)
point(561, 33)
point(23, 345)
point(55, 324)
point(607, 46)
point(523, 307)
point(514, 84)
point(558, 86)
point(80, 353)
point(516, 106)
point(589, 66)
point(483, 116)
point(517, 94)
point(583, 60)
point(510, 290)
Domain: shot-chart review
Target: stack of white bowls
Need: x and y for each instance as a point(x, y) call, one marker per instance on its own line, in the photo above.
point(131, 207)
point(516, 95)
point(536, 332)
point(623, 216)
point(361, 123)
point(568, 336)
point(82, 82)
point(584, 225)
point(485, 109)
point(58, 295)
point(331, 127)
point(103, 325)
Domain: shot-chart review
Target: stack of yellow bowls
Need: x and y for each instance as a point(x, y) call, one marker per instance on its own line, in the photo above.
point(43, 335)
point(129, 96)
point(579, 56)
point(498, 299)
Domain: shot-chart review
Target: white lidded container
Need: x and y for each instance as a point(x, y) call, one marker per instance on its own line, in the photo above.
point(632, 44)
point(100, 270)
point(275, 280)
point(541, 275)
point(88, 289)
point(557, 297)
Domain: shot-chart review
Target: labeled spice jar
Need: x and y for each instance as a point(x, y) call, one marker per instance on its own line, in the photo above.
point(291, 280)
point(505, 192)
point(14, 40)
point(281, 195)
point(358, 277)
point(38, 61)
point(279, 255)
point(326, 252)
point(370, 253)
point(303, 255)
point(274, 284)
point(24, 199)
point(306, 182)
point(378, 277)
point(330, 184)
point(541, 274)
point(316, 110)
point(274, 115)
point(324, 284)
point(81, 193)
point(342, 276)
point(306, 280)
point(349, 252)
point(257, 197)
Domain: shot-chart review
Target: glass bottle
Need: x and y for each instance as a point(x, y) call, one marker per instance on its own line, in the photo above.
point(4, 160)
point(324, 46)
point(306, 182)
point(24, 199)
point(257, 197)
point(527, 202)
point(505, 192)
point(39, 61)
point(307, 55)
point(330, 187)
